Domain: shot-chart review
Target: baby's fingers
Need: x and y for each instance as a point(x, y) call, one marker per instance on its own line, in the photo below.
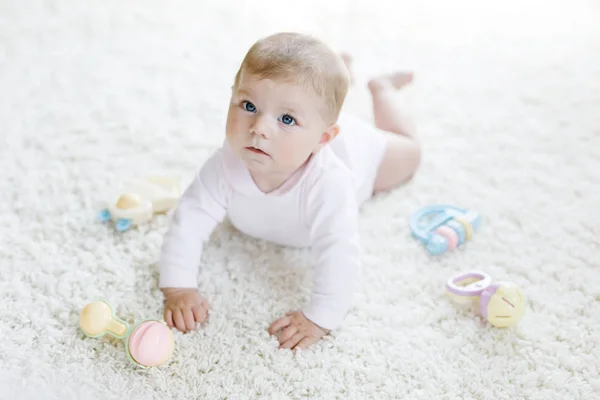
point(279, 324)
point(292, 341)
point(188, 317)
point(200, 312)
point(305, 343)
point(178, 320)
point(287, 333)
point(168, 316)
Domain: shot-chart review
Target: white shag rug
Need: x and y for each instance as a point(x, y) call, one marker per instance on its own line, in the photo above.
point(507, 97)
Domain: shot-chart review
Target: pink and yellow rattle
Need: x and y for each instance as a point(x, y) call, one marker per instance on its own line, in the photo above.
point(501, 303)
point(148, 343)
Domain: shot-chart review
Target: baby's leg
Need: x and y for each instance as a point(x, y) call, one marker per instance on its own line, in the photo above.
point(403, 153)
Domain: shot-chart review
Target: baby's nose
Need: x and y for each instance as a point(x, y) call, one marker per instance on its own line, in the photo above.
point(261, 127)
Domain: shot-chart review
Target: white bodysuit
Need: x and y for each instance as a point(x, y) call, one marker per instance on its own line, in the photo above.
point(317, 208)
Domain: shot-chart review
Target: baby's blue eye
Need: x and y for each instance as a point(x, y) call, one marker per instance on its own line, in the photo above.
point(287, 119)
point(249, 106)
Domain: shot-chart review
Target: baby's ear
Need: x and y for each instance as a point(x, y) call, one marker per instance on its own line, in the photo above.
point(328, 136)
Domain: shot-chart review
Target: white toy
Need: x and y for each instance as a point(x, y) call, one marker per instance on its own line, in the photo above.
point(140, 201)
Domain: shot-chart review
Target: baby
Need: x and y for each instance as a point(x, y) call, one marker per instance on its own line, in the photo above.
point(292, 170)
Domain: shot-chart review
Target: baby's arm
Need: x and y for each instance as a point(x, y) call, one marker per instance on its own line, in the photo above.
point(332, 213)
point(201, 207)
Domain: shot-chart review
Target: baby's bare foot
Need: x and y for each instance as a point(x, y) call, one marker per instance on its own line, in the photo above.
point(396, 81)
point(347, 58)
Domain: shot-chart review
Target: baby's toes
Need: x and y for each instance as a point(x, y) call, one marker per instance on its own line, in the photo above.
point(347, 58)
point(401, 79)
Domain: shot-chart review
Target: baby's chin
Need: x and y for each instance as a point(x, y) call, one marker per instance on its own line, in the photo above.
point(259, 164)
point(267, 166)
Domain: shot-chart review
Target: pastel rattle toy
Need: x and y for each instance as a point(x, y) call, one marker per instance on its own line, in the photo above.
point(501, 303)
point(443, 227)
point(148, 343)
point(140, 201)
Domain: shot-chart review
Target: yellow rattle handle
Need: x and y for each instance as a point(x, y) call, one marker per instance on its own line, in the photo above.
point(97, 318)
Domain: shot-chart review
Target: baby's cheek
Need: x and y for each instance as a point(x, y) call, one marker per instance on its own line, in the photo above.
point(234, 123)
point(293, 151)
point(286, 154)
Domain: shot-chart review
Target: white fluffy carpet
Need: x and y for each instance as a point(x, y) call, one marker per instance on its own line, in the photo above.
point(507, 97)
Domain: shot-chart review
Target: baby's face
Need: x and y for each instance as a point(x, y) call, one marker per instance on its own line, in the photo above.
point(274, 126)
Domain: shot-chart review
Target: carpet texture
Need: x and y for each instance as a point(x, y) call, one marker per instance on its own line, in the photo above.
point(507, 100)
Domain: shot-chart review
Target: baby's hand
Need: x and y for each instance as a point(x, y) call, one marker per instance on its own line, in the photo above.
point(298, 331)
point(184, 307)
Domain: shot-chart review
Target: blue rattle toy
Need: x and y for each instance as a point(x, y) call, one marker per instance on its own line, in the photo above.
point(442, 227)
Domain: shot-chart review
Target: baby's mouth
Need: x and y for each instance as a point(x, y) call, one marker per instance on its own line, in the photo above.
point(255, 150)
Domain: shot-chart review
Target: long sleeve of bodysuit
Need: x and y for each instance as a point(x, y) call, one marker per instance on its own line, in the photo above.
point(333, 217)
point(201, 207)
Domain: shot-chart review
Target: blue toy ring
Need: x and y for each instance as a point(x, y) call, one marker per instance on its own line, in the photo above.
point(442, 227)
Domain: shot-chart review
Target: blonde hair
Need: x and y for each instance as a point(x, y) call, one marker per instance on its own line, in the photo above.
point(303, 60)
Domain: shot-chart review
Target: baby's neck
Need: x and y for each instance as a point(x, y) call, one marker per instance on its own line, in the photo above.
point(268, 183)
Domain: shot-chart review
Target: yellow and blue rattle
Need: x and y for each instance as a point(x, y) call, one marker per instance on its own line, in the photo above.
point(443, 227)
